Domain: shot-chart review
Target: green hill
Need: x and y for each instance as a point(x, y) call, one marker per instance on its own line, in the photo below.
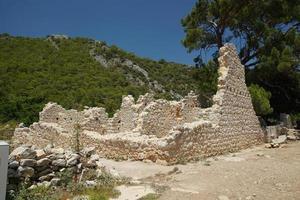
point(78, 72)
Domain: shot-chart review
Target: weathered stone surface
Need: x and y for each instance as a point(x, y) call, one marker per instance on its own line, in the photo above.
point(47, 177)
point(57, 151)
point(45, 172)
point(40, 153)
point(13, 164)
point(45, 184)
point(25, 171)
point(28, 162)
point(59, 163)
point(73, 160)
point(90, 183)
point(23, 152)
point(280, 140)
point(43, 162)
point(12, 173)
point(55, 181)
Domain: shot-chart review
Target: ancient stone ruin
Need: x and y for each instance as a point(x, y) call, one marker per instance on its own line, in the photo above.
point(158, 130)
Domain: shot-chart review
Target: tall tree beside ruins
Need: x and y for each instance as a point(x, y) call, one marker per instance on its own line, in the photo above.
point(266, 33)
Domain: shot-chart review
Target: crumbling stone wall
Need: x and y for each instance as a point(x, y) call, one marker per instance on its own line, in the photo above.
point(158, 129)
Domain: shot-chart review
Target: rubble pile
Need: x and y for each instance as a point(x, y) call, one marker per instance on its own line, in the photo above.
point(287, 134)
point(47, 167)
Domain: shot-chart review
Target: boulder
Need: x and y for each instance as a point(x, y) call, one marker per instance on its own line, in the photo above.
point(45, 172)
point(280, 140)
point(25, 171)
point(28, 162)
point(23, 152)
point(59, 163)
point(56, 156)
point(43, 162)
point(40, 153)
point(12, 173)
point(47, 177)
point(73, 160)
point(57, 151)
point(13, 164)
point(55, 181)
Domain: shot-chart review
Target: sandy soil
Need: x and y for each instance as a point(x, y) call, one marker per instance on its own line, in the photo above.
point(253, 174)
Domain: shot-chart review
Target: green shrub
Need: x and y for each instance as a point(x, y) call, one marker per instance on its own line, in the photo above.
point(260, 100)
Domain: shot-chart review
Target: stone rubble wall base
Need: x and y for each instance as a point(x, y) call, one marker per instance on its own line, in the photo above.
point(158, 130)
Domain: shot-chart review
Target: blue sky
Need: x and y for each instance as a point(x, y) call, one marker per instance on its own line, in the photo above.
point(149, 28)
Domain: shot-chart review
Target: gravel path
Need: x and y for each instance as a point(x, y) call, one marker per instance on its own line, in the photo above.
point(253, 174)
point(258, 174)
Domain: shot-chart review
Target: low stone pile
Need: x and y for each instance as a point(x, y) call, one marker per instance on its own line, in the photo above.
point(45, 166)
point(288, 134)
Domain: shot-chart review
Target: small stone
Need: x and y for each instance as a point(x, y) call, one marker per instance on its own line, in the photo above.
point(12, 173)
point(91, 164)
point(23, 152)
point(13, 165)
point(90, 183)
point(47, 177)
point(43, 162)
point(268, 145)
point(73, 160)
point(32, 187)
point(25, 171)
point(28, 162)
point(21, 125)
point(40, 153)
point(280, 140)
point(141, 156)
point(48, 148)
point(57, 151)
point(79, 166)
point(291, 137)
point(45, 184)
point(55, 181)
point(275, 145)
point(59, 163)
point(45, 172)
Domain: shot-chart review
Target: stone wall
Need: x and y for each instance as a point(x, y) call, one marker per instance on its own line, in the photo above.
point(159, 129)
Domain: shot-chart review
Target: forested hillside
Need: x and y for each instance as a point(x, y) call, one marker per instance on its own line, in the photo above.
point(78, 72)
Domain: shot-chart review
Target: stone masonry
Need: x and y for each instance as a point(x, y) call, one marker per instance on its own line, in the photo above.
point(156, 130)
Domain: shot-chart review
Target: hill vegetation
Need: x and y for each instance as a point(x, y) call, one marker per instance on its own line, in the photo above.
point(34, 71)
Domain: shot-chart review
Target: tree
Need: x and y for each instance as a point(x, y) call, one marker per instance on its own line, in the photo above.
point(266, 33)
point(260, 100)
point(255, 24)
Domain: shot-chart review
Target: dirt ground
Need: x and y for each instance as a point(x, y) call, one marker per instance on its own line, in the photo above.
point(253, 174)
